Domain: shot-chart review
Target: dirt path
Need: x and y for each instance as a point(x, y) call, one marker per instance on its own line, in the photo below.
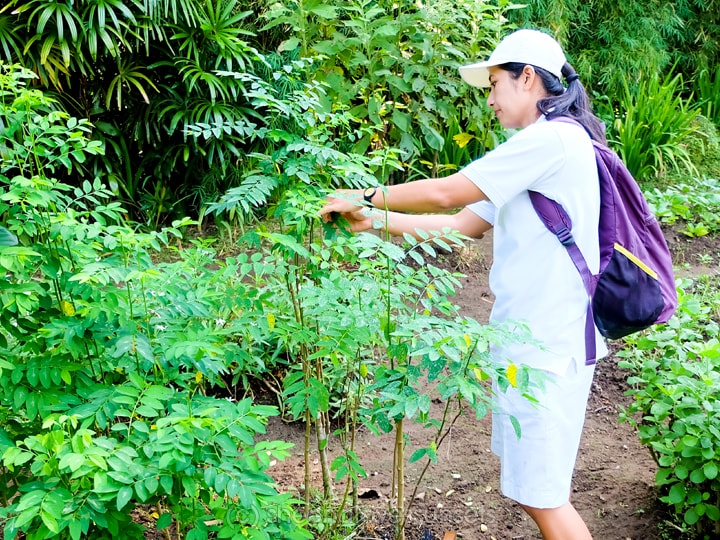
point(613, 486)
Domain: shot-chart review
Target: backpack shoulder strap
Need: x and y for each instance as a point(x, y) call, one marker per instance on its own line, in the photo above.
point(555, 218)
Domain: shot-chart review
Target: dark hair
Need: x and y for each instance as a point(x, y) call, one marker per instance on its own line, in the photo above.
point(572, 101)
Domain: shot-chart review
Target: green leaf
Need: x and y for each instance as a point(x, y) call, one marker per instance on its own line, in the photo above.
point(49, 521)
point(30, 500)
point(289, 45)
point(713, 512)
point(123, 497)
point(7, 238)
point(190, 486)
point(697, 476)
point(710, 470)
point(72, 461)
point(75, 528)
point(516, 426)
point(681, 471)
point(325, 11)
point(164, 521)
point(401, 120)
point(26, 517)
point(418, 455)
point(166, 481)
point(691, 516)
point(677, 494)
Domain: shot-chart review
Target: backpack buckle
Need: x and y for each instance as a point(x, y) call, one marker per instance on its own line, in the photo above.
point(565, 236)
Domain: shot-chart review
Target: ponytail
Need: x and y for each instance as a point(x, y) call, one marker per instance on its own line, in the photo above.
point(572, 101)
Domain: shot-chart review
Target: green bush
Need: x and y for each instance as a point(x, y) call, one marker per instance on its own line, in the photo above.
point(695, 203)
point(614, 43)
point(674, 377)
point(111, 366)
point(652, 127)
point(708, 94)
point(115, 366)
point(395, 66)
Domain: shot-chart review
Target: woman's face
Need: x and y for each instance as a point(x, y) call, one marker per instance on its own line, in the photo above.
point(514, 100)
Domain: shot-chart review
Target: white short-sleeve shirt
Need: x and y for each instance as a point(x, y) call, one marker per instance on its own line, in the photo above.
point(532, 277)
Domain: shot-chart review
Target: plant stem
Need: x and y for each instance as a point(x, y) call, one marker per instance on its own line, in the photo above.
point(440, 437)
point(306, 455)
point(399, 473)
point(321, 431)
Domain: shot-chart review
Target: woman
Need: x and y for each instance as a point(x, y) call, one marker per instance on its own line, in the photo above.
point(532, 276)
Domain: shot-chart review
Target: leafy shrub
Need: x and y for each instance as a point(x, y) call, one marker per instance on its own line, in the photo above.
point(708, 94)
point(111, 366)
point(371, 325)
point(674, 376)
point(114, 368)
point(696, 203)
point(611, 43)
point(652, 128)
point(394, 64)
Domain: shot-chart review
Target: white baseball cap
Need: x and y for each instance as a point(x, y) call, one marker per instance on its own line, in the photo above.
point(525, 46)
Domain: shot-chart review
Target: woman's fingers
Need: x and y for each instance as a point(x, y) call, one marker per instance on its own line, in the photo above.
point(342, 201)
point(331, 207)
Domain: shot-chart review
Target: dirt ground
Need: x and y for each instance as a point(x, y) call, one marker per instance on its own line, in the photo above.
point(613, 485)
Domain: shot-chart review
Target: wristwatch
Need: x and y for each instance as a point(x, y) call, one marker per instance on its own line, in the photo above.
point(369, 193)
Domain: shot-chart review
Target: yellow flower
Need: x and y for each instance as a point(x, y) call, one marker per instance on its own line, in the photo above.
point(67, 308)
point(462, 139)
point(271, 321)
point(512, 370)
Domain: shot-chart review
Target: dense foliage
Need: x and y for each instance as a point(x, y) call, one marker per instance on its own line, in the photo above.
point(106, 357)
point(191, 98)
point(674, 377)
point(618, 43)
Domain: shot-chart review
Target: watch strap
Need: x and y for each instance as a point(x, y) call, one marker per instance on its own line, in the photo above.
point(369, 193)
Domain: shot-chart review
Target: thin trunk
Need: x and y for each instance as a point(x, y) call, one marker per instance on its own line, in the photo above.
point(321, 431)
point(307, 461)
point(399, 460)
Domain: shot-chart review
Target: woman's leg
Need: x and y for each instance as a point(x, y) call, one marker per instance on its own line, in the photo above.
point(537, 468)
point(563, 523)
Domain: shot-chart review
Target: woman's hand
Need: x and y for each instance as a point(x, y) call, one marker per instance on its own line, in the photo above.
point(343, 201)
point(361, 220)
point(349, 206)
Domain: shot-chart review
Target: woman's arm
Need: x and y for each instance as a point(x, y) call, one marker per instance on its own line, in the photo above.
point(465, 222)
point(421, 196)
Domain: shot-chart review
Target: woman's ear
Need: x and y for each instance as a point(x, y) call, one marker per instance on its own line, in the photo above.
point(528, 77)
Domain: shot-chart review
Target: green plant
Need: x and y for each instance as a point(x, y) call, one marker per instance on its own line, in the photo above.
point(616, 43)
point(696, 203)
point(708, 93)
point(652, 127)
point(115, 367)
point(366, 324)
point(395, 66)
point(143, 72)
point(112, 367)
point(674, 378)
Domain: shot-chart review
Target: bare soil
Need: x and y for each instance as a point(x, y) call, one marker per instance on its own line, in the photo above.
point(613, 484)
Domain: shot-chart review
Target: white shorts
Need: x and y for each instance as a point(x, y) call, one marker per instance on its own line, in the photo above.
point(536, 469)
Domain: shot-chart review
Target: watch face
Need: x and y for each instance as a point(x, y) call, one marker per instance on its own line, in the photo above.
point(369, 192)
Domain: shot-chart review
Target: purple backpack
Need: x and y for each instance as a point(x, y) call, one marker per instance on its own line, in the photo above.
point(635, 287)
